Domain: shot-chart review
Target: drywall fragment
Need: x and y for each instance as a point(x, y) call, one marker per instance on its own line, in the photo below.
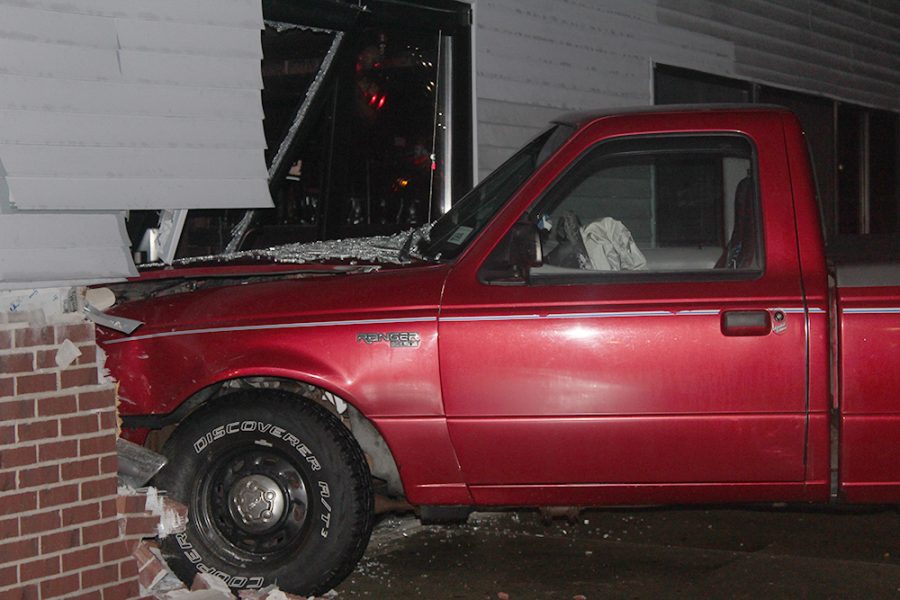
point(100, 298)
point(173, 515)
point(66, 354)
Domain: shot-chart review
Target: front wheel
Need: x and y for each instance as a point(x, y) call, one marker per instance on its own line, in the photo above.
point(277, 490)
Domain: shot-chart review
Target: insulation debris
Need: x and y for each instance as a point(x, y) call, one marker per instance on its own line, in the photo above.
point(382, 248)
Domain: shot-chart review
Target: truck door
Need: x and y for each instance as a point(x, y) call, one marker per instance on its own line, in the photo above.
point(660, 348)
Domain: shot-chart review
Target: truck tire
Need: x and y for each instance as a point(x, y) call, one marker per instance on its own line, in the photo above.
point(277, 490)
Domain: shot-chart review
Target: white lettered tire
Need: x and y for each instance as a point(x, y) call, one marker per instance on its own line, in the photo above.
point(277, 490)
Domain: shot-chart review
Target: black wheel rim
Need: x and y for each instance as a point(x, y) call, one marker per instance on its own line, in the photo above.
point(252, 504)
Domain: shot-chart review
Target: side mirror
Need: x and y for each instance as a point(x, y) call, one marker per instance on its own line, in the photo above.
point(525, 249)
point(514, 257)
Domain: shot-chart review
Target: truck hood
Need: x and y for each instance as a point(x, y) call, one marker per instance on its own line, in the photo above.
point(399, 248)
point(360, 255)
point(326, 293)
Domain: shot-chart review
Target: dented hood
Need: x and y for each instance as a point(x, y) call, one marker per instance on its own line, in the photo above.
point(326, 293)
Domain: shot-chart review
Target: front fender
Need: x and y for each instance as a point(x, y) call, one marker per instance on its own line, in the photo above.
point(157, 373)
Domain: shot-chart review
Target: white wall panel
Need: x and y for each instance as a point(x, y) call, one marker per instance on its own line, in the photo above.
point(109, 105)
point(132, 163)
point(230, 13)
point(18, 23)
point(537, 58)
point(73, 129)
point(45, 193)
point(62, 61)
point(847, 50)
point(192, 70)
point(47, 249)
point(115, 98)
point(188, 38)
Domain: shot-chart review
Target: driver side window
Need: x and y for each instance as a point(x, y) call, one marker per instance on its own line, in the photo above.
point(654, 205)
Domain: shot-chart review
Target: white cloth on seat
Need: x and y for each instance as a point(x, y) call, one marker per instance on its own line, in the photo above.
point(611, 248)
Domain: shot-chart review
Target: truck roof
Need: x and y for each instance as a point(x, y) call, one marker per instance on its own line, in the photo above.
point(581, 118)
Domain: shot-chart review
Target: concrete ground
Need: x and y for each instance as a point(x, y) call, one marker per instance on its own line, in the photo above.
point(694, 553)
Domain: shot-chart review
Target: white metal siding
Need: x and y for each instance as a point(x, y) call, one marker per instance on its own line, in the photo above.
point(847, 50)
point(40, 250)
point(109, 105)
point(537, 58)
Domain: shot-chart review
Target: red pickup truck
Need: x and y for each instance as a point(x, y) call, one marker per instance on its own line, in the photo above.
point(636, 308)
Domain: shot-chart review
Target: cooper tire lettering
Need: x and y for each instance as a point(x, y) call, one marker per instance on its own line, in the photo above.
point(271, 479)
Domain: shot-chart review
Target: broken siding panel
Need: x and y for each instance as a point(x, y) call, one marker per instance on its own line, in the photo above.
point(69, 194)
point(118, 104)
point(115, 98)
point(144, 97)
point(137, 163)
point(71, 129)
point(22, 230)
point(229, 13)
point(47, 249)
point(25, 268)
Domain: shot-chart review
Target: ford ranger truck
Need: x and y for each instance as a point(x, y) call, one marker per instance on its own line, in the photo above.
point(636, 308)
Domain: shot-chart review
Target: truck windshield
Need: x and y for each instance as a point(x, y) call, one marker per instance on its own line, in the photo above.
point(455, 230)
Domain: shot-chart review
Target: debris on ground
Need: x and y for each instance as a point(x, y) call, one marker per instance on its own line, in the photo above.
point(158, 581)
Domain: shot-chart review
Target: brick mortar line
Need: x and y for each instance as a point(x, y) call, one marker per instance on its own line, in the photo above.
point(42, 347)
point(60, 438)
point(60, 553)
point(56, 463)
point(75, 504)
point(49, 370)
point(43, 486)
point(103, 385)
point(61, 416)
point(96, 588)
point(119, 537)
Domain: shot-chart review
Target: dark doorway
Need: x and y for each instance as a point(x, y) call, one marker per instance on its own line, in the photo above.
point(364, 109)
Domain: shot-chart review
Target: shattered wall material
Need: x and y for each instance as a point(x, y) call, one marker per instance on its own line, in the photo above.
point(63, 529)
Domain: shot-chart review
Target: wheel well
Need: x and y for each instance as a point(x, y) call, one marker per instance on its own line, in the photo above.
point(378, 453)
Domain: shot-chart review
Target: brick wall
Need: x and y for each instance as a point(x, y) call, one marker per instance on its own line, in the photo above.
point(62, 531)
